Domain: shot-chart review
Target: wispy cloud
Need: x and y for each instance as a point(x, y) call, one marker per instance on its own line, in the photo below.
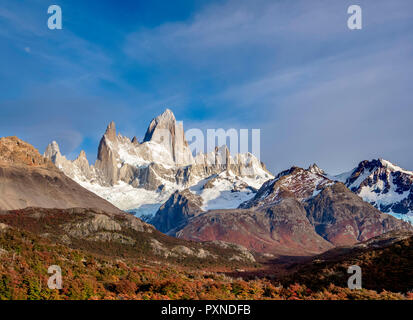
point(318, 91)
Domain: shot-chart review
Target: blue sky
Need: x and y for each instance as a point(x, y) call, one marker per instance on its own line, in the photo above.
point(318, 91)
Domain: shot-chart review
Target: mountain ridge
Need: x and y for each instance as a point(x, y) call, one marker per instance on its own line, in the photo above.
point(141, 176)
point(384, 185)
point(28, 179)
point(298, 212)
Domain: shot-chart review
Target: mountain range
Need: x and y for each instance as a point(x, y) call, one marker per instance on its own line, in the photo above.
point(140, 176)
point(234, 198)
point(299, 212)
point(214, 211)
point(38, 197)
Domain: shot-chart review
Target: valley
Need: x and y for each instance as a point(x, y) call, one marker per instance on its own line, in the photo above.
point(140, 224)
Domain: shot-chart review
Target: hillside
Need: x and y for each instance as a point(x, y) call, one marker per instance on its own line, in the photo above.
point(26, 257)
point(29, 180)
point(385, 261)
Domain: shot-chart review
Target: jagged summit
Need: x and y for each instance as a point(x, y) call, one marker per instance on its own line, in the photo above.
point(366, 167)
point(166, 121)
point(82, 155)
point(300, 183)
point(132, 174)
point(111, 131)
point(314, 168)
point(52, 150)
point(393, 167)
point(384, 185)
point(376, 164)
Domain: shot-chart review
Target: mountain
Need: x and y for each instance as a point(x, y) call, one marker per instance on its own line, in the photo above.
point(176, 212)
point(140, 177)
point(39, 198)
point(336, 213)
point(297, 182)
point(384, 185)
point(220, 191)
point(282, 230)
point(27, 179)
point(343, 218)
point(299, 212)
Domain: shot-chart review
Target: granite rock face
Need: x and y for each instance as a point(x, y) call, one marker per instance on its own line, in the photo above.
point(176, 212)
point(162, 164)
point(165, 130)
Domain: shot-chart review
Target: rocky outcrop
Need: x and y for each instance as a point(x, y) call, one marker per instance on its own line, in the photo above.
point(16, 152)
point(27, 179)
point(3, 227)
point(106, 162)
point(75, 169)
point(314, 168)
point(176, 212)
point(97, 222)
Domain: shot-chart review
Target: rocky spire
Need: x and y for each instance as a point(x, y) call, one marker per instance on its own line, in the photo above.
point(165, 130)
point(52, 152)
point(52, 149)
point(111, 131)
point(106, 160)
point(316, 169)
point(82, 155)
point(82, 164)
point(223, 156)
point(166, 120)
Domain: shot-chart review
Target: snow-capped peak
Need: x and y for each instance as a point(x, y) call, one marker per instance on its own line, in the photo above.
point(384, 185)
point(393, 167)
point(316, 169)
point(52, 149)
point(135, 175)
